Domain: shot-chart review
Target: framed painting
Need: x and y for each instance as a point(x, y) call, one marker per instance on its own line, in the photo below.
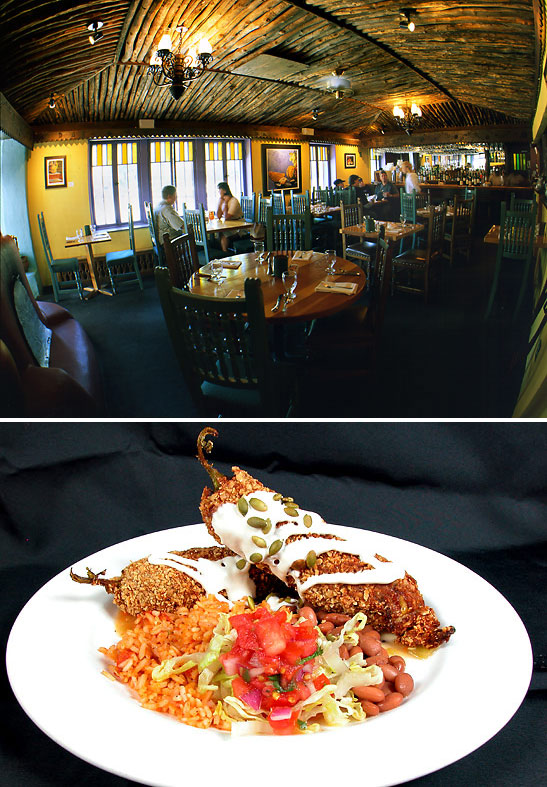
point(281, 169)
point(55, 171)
point(350, 160)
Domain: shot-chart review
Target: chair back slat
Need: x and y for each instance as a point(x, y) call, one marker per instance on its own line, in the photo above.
point(181, 256)
point(196, 220)
point(463, 216)
point(45, 239)
point(521, 205)
point(408, 206)
point(278, 202)
point(131, 228)
point(263, 204)
point(517, 233)
point(156, 246)
point(300, 202)
point(351, 215)
point(248, 206)
point(288, 231)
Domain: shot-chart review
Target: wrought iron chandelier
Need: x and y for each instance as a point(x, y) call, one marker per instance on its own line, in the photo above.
point(170, 68)
point(408, 118)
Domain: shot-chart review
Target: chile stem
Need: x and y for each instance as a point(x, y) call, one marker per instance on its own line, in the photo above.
point(205, 445)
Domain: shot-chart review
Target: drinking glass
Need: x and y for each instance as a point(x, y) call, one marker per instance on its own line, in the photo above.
point(79, 233)
point(290, 280)
point(93, 229)
point(330, 255)
point(259, 251)
point(216, 270)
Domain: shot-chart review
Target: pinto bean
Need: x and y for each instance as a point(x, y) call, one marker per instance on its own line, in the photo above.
point(371, 632)
point(326, 627)
point(369, 645)
point(398, 662)
point(308, 614)
point(355, 650)
point(390, 672)
point(337, 618)
point(370, 693)
point(344, 652)
point(391, 701)
point(370, 708)
point(404, 683)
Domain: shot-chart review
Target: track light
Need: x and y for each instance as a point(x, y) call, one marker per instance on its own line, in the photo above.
point(405, 20)
point(315, 114)
point(51, 104)
point(95, 31)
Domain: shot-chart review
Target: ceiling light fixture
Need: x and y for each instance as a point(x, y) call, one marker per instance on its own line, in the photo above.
point(405, 20)
point(95, 31)
point(315, 114)
point(170, 68)
point(51, 104)
point(408, 118)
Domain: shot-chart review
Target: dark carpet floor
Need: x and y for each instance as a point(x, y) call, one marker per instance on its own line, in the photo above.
point(439, 360)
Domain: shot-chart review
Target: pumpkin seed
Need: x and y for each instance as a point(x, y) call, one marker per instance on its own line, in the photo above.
point(275, 546)
point(256, 521)
point(241, 563)
point(256, 557)
point(311, 559)
point(268, 527)
point(243, 506)
point(251, 602)
point(290, 511)
point(257, 504)
point(307, 520)
point(278, 496)
point(288, 499)
point(259, 541)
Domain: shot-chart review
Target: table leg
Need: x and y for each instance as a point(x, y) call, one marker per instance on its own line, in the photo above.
point(93, 274)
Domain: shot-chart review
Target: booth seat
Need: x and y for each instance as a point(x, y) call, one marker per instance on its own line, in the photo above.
point(48, 366)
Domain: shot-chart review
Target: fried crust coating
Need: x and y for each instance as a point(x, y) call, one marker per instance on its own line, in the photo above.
point(397, 607)
point(229, 491)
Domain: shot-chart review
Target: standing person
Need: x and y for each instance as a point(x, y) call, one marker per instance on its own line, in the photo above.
point(167, 219)
point(228, 209)
point(496, 177)
point(411, 179)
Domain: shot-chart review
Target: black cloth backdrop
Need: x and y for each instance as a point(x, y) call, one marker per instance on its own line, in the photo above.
point(473, 491)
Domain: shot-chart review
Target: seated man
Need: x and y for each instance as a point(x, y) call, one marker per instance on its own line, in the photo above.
point(359, 186)
point(228, 209)
point(167, 219)
point(339, 183)
point(387, 193)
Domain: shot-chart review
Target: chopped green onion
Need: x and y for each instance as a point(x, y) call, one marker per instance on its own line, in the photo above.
point(277, 685)
point(318, 652)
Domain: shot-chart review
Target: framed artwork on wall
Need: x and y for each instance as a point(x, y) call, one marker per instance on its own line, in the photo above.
point(281, 169)
point(350, 160)
point(55, 171)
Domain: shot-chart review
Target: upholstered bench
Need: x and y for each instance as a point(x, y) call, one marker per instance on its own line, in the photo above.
point(48, 366)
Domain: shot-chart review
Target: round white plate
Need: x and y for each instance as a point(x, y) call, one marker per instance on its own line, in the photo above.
point(55, 672)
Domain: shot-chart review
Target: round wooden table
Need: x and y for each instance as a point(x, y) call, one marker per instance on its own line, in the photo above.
point(308, 305)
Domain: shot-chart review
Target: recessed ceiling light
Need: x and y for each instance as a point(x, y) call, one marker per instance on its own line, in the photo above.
point(95, 31)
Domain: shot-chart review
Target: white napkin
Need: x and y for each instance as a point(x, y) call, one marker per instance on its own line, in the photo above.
point(233, 264)
point(302, 255)
point(342, 287)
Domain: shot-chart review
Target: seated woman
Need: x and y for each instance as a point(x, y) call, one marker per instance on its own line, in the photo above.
point(228, 209)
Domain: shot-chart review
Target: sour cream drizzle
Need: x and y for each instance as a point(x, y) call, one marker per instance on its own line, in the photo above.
point(235, 533)
point(212, 575)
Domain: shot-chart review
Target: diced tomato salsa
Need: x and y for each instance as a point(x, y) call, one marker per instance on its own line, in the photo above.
point(273, 663)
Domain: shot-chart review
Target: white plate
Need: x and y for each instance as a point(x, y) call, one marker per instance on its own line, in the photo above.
point(55, 671)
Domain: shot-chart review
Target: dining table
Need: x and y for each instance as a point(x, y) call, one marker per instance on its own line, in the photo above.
point(310, 302)
point(493, 237)
point(221, 225)
point(87, 241)
point(394, 230)
point(423, 213)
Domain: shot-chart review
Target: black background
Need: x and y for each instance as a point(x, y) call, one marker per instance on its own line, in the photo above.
point(474, 491)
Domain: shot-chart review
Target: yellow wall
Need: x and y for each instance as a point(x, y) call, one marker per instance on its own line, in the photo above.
point(363, 163)
point(66, 209)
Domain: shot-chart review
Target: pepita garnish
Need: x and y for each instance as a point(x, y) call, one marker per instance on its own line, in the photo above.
point(311, 559)
point(288, 499)
point(256, 521)
point(268, 527)
point(257, 504)
point(242, 506)
point(275, 546)
point(241, 563)
point(307, 520)
point(256, 557)
point(259, 541)
point(291, 511)
point(278, 496)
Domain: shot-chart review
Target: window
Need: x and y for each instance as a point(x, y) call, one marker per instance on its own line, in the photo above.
point(132, 172)
point(319, 166)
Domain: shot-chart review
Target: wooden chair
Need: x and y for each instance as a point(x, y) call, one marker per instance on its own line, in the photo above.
point(243, 243)
point(278, 202)
point(123, 264)
point(408, 213)
point(521, 205)
point(196, 220)
point(516, 243)
point(300, 202)
point(416, 263)
point(263, 204)
point(62, 266)
point(156, 245)
point(288, 231)
point(363, 252)
point(222, 347)
point(347, 344)
point(181, 256)
point(458, 234)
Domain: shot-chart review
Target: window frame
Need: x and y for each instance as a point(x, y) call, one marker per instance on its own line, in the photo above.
point(144, 171)
point(315, 163)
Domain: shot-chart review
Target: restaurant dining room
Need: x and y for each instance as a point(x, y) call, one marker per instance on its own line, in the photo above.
point(284, 208)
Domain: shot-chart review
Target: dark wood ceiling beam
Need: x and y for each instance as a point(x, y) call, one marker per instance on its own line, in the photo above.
point(334, 20)
point(520, 133)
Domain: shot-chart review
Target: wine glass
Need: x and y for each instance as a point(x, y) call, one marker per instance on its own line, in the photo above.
point(259, 251)
point(290, 280)
point(403, 220)
point(216, 270)
point(330, 255)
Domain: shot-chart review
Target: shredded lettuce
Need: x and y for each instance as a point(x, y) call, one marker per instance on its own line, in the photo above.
point(173, 666)
point(210, 666)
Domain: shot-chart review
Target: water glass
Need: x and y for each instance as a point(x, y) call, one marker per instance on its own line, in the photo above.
point(259, 251)
point(216, 270)
point(290, 280)
point(330, 255)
